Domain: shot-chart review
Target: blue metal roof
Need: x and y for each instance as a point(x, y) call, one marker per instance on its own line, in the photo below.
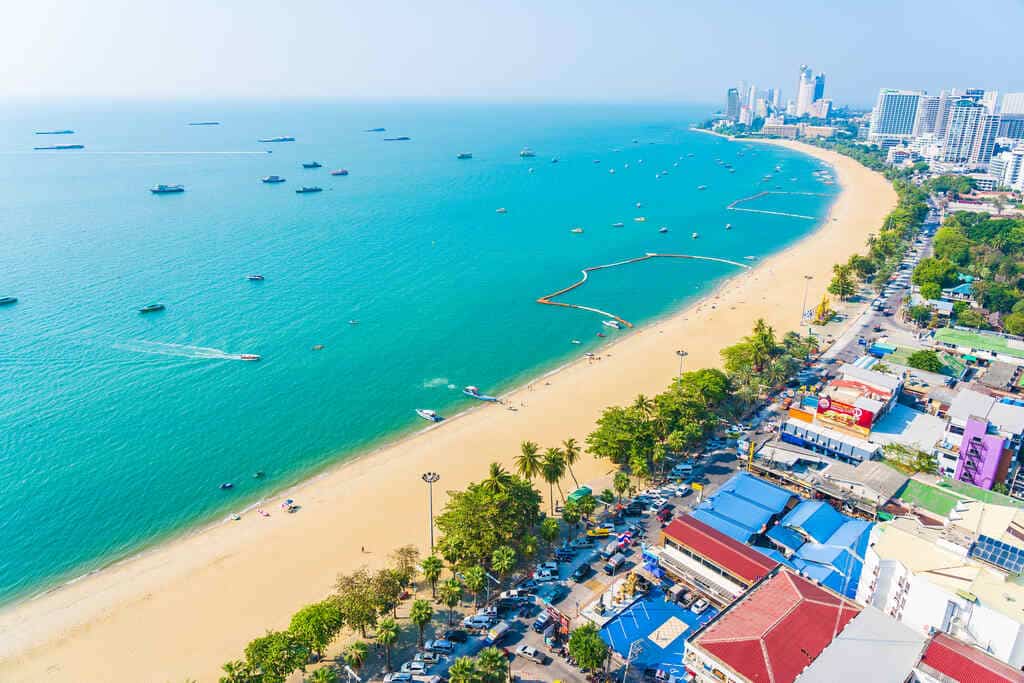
point(815, 519)
point(758, 491)
point(785, 537)
point(723, 524)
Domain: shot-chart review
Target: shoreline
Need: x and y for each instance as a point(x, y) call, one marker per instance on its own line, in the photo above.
point(187, 604)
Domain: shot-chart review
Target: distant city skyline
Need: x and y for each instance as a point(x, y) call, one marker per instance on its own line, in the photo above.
point(600, 51)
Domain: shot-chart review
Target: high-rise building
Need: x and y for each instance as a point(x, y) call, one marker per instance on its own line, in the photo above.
point(1008, 169)
point(819, 87)
point(751, 97)
point(990, 100)
point(970, 134)
point(927, 115)
point(805, 90)
point(732, 104)
point(892, 119)
point(946, 100)
point(1013, 103)
point(776, 98)
point(1011, 126)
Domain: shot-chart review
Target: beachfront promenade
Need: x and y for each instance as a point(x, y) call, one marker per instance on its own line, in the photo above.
point(547, 299)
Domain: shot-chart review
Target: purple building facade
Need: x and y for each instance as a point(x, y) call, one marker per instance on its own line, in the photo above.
point(982, 459)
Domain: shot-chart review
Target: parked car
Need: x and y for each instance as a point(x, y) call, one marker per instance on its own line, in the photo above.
point(445, 647)
point(614, 563)
point(497, 632)
point(415, 668)
point(477, 622)
point(398, 677)
point(547, 566)
point(599, 531)
point(687, 599)
point(456, 635)
point(427, 657)
point(580, 573)
point(531, 653)
point(541, 622)
point(544, 576)
point(700, 606)
point(515, 595)
point(582, 542)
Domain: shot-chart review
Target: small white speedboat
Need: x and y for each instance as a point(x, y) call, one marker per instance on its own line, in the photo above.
point(428, 415)
point(695, 235)
point(501, 210)
point(612, 323)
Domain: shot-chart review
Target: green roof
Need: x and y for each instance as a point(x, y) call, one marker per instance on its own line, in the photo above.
point(974, 340)
point(929, 497)
point(981, 494)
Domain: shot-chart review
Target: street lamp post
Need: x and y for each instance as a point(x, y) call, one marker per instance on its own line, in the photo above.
point(430, 478)
point(803, 306)
point(682, 354)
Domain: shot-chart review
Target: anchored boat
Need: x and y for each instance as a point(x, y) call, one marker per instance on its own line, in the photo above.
point(473, 392)
point(151, 308)
point(428, 415)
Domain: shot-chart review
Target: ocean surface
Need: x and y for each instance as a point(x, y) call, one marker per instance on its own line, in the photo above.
point(116, 428)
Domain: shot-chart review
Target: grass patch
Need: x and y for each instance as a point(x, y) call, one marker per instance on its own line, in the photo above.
point(929, 497)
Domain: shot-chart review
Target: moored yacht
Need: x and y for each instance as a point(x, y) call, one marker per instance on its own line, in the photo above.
point(340, 171)
point(271, 179)
point(312, 164)
point(7, 300)
point(307, 190)
point(473, 392)
point(526, 152)
point(464, 155)
point(167, 189)
point(151, 308)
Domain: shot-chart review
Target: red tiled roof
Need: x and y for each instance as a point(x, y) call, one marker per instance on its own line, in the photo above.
point(967, 664)
point(776, 630)
point(739, 560)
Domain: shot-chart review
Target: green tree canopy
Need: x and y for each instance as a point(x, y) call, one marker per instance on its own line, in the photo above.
point(587, 648)
point(925, 360)
point(939, 271)
point(318, 624)
point(477, 521)
point(276, 655)
point(931, 290)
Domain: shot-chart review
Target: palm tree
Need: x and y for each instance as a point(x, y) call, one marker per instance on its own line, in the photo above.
point(552, 469)
point(355, 655)
point(432, 567)
point(528, 462)
point(503, 560)
point(476, 580)
point(587, 505)
point(420, 614)
point(528, 545)
point(493, 665)
point(238, 671)
point(498, 479)
point(451, 595)
point(463, 671)
point(387, 634)
point(620, 483)
point(644, 406)
point(327, 674)
point(572, 451)
point(762, 343)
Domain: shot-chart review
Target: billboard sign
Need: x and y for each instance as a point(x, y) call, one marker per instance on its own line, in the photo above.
point(845, 417)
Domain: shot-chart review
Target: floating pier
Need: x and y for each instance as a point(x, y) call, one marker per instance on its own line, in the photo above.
point(735, 206)
point(548, 299)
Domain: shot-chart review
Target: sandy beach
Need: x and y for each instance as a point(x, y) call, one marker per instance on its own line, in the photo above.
point(183, 608)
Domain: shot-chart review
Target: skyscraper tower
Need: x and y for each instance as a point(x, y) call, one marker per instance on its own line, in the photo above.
point(819, 87)
point(732, 104)
point(804, 91)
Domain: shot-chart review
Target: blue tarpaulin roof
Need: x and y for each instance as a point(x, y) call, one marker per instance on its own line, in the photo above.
point(724, 525)
point(759, 491)
point(785, 537)
point(742, 506)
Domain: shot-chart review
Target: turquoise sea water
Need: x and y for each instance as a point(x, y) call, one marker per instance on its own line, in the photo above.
point(116, 428)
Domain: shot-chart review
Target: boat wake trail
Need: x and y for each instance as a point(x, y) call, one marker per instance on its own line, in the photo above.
point(177, 350)
point(437, 382)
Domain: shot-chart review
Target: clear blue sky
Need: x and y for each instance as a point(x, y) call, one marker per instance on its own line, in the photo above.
point(589, 49)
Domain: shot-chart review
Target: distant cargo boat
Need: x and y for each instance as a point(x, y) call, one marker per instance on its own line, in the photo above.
point(526, 153)
point(204, 123)
point(375, 130)
point(464, 155)
point(401, 138)
point(307, 190)
point(270, 179)
point(151, 308)
point(340, 171)
point(61, 147)
point(55, 132)
point(8, 300)
point(312, 164)
point(280, 139)
point(167, 189)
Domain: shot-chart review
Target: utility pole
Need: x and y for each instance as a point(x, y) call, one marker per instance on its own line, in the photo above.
point(430, 478)
point(682, 354)
point(803, 306)
point(635, 648)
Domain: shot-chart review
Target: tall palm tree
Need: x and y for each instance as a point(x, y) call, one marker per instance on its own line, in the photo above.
point(620, 482)
point(387, 634)
point(571, 451)
point(528, 462)
point(420, 614)
point(644, 406)
point(463, 671)
point(432, 567)
point(552, 469)
point(498, 479)
point(503, 560)
point(327, 674)
point(451, 595)
point(493, 665)
point(355, 654)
